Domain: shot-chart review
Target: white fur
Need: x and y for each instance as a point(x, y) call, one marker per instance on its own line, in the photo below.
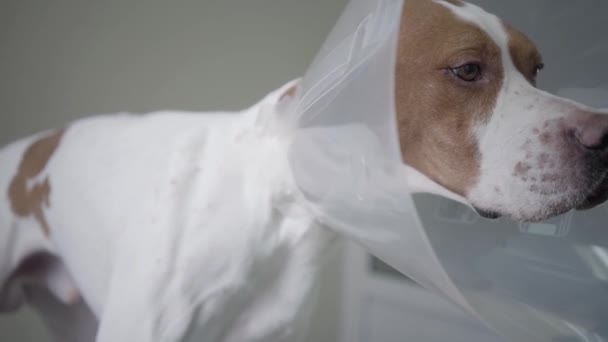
point(188, 222)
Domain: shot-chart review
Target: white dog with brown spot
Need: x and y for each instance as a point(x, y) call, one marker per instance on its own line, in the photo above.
point(172, 225)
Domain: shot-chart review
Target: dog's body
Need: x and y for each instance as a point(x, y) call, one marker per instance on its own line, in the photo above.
point(200, 224)
point(175, 225)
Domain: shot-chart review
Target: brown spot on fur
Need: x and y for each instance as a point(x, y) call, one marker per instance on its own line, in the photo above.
point(543, 160)
point(550, 178)
point(31, 202)
point(545, 138)
point(436, 112)
point(521, 169)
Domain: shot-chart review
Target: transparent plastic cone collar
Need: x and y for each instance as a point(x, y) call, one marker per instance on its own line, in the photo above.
point(544, 281)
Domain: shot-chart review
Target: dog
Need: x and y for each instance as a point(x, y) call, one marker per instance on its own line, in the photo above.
point(177, 226)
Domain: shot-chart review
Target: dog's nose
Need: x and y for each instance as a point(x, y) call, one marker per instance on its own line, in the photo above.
point(591, 131)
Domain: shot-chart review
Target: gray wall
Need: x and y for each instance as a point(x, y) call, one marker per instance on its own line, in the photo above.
point(569, 34)
point(61, 60)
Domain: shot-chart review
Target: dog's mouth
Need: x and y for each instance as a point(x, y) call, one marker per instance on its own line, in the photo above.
point(597, 196)
point(488, 214)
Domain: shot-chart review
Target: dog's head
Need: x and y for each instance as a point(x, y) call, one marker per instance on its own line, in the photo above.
point(471, 118)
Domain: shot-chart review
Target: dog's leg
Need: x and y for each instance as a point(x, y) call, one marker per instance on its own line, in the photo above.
point(145, 303)
point(128, 314)
point(129, 311)
point(136, 305)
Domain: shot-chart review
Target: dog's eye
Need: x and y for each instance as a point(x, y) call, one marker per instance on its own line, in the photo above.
point(537, 69)
point(468, 72)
